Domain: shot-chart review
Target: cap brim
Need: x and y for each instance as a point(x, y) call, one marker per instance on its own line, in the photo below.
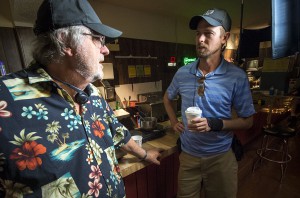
point(110, 33)
point(195, 20)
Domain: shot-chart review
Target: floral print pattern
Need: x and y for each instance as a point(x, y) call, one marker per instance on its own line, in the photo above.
point(14, 189)
point(4, 113)
point(95, 186)
point(98, 128)
point(41, 112)
point(61, 188)
point(27, 155)
point(51, 150)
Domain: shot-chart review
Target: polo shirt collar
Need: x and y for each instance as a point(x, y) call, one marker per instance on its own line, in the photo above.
point(221, 69)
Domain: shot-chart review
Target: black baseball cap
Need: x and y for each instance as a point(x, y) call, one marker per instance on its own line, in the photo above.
point(55, 14)
point(215, 17)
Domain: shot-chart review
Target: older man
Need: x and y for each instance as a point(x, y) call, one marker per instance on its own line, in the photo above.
point(57, 133)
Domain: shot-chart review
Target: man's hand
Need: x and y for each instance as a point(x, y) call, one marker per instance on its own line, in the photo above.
point(154, 155)
point(199, 125)
point(178, 127)
point(151, 155)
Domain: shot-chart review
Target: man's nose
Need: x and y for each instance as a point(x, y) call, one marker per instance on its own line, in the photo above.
point(201, 38)
point(104, 50)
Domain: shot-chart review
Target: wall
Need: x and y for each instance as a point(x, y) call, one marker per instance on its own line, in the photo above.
point(9, 50)
point(146, 26)
point(5, 14)
point(125, 90)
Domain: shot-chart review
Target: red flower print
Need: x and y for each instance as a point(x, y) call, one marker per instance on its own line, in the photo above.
point(4, 113)
point(96, 172)
point(95, 188)
point(27, 155)
point(98, 128)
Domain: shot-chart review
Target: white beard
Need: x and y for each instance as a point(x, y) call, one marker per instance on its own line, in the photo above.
point(84, 66)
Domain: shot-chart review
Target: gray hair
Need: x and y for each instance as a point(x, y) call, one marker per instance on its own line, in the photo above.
point(223, 32)
point(49, 47)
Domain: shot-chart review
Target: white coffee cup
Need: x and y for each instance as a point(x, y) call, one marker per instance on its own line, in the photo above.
point(192, 112)
point(138, 139)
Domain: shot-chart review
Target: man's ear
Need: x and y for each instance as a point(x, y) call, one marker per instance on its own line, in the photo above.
point(68, 51)
point(227, 35)
point(225, 38)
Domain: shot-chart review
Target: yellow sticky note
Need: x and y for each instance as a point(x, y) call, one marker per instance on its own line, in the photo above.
point(147, 70)
point(131, 71)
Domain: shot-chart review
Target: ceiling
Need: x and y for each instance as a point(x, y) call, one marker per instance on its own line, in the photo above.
point(256, 13)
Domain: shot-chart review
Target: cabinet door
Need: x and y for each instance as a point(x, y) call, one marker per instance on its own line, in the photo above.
point(9, 51)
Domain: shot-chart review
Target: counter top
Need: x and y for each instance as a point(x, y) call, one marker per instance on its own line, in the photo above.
point(129, 164)
point(121, 113)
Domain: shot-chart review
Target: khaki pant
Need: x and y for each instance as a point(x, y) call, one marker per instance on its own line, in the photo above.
point(217, 175)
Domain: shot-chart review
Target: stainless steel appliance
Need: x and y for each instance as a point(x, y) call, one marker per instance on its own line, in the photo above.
point(109, 91)
point(155, 132)
point(151, 105)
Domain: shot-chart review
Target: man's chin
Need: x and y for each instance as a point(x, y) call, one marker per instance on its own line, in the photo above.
point(202, 55)
point(97, 77)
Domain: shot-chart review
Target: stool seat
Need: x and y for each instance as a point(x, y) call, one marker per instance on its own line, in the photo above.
point(280, 131)
point(267, 152)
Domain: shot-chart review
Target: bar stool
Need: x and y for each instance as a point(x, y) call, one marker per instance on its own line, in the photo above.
point(280, 133)
point(269, 151)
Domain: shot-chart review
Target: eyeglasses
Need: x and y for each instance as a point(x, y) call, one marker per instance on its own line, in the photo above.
point(201, 87)
point(98, 40)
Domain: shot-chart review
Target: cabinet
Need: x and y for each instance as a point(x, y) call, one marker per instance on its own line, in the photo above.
point(154, 181)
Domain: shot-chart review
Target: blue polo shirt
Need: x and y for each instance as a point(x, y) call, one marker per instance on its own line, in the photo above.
point(226, 88)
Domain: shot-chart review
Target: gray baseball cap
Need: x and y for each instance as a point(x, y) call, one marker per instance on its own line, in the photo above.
point(54, 14)
point(215, 17)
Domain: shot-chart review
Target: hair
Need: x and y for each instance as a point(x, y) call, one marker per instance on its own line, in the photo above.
point(49, 47)
point(223, 32)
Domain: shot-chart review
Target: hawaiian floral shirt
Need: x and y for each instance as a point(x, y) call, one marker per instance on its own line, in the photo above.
point(49, 150)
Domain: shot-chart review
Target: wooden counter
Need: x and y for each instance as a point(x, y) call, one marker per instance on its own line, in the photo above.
point(130, 164)
point(143, 179)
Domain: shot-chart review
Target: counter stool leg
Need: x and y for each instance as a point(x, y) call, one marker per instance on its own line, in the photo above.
point(260, 152)
point(285, 158)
